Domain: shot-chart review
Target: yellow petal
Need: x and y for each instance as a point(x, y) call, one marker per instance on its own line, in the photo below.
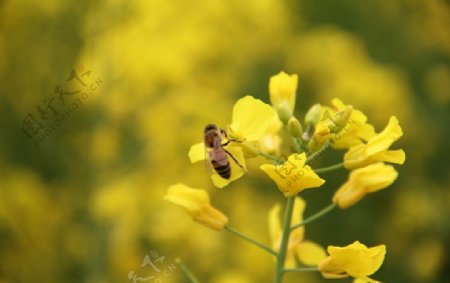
point(275, 225)
point(355, 156)
point(236, 171)
point(352, 134)
point(293, 176)
point(363, 181)
point(191, 199)
point(386, 138)
point(356, 259)
point(310, 253)
point(271, 141)
point(365, 280)
point(196, 204)
point(330, 270)
point(251, 119)
point(376, 149)
point(391, 156)
point(197, 152)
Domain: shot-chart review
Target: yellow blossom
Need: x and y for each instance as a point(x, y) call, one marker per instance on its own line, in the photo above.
point(307, 252)
point(293, 176)
point(355, 260)
point(196, 203)
point(363, 181)
point(376, 148)
point(253, 121)
point(282, 90)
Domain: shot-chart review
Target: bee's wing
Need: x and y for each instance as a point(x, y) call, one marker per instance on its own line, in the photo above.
point(208, 155)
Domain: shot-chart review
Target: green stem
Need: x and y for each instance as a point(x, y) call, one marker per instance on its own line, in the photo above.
point(329, 168)
point(281, 258)
point(268, 156)
point(186, 271)
point(301, 269)
point(248, 239)
point(314, 216)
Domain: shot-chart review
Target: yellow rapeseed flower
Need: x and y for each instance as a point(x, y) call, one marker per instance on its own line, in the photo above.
point(293, 176)
point(196, 203)
point(253, 122)
point(355, 260)
point(376, 148)
point(282, 90)
point(363, 181)
point(307, 252)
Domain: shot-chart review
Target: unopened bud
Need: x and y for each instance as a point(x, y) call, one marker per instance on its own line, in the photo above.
point(340, 119)
point(282, 90)
point(313, 114)
point(294, 127)
point(284, 113)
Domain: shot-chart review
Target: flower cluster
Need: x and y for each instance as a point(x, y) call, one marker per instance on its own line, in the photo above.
point(256, 130)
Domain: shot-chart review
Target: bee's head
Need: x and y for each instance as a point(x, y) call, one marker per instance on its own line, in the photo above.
point(210, 127)
point(210, 135)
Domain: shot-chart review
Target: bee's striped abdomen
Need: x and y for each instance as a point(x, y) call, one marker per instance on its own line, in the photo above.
point(224, 171)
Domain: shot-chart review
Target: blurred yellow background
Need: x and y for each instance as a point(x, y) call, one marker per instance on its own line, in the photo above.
point(85, 203)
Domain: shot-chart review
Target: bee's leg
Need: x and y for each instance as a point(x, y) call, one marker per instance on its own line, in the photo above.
point(225, 135)
point(231, 140)
point(235, 160)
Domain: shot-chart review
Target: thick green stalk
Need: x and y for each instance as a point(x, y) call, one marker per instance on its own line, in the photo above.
point(281, 258)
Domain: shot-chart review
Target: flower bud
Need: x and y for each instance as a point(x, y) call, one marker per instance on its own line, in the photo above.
point(284, 113)
point(340, 119)
point(313, 115)
point(294, 127)
point(282, 90)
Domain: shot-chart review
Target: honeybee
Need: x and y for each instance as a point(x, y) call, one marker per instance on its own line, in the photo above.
point(217, 155)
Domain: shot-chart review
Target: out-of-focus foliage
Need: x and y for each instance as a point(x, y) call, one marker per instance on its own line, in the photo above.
point(86, 205)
